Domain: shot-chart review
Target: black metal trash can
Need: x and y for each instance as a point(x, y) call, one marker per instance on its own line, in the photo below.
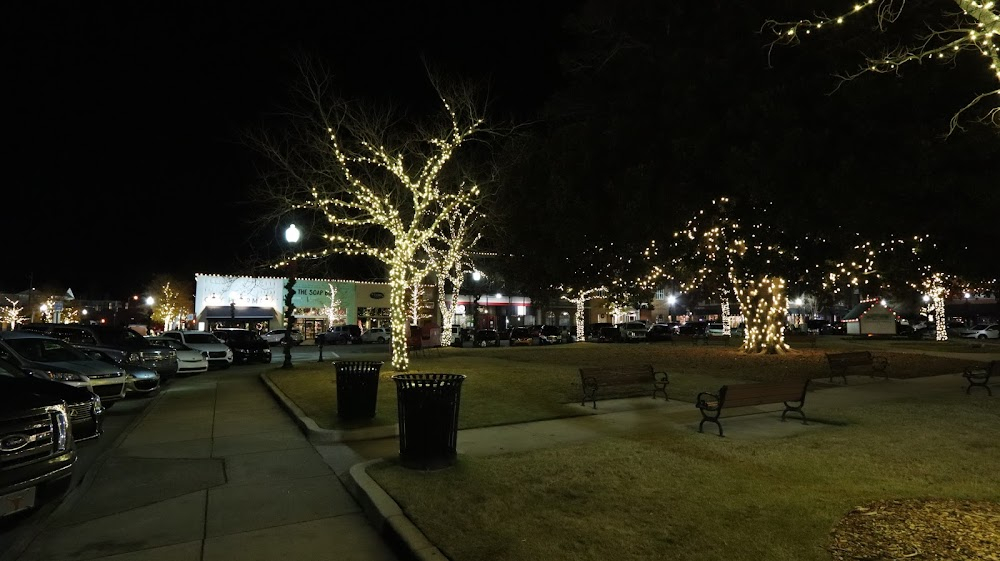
point(357, 388)
point(428, 418)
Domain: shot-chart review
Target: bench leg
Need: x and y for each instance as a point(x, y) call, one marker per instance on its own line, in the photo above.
point(706, 419)
point(972, 384)
point(842, 373)
point(794, 409)
point(660, 387)
point(589, 394)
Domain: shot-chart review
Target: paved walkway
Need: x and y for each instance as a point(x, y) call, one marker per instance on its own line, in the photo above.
point(213, 471)
point(216, 470)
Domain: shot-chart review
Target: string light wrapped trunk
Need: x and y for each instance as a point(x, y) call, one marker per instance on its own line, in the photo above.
point(764, 306)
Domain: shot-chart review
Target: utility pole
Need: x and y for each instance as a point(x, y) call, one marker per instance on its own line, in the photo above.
point(31, 288)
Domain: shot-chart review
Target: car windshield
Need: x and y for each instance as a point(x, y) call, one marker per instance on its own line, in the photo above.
point(520, 332)
point(980, 327)
point(169, 343)
point(8, 370)
point(202, 338)
point(550, 330)
point(122, 338)
point(45, 350)
point(241, 336)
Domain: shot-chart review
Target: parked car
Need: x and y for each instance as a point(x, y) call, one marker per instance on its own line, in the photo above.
point(693, 328)
point(981, 331)
point(660, 332)
point(247, 346)
point(219, 355)
point(835, 328)
point(189, 361)
point(487, 337)
point(633, 331)
point(84, 407)
point(610, 335)
point(715, 329)
point(139, 380)
point(550, 335)
point(55, 359)
point(816, 326)
point(594, 330)
point(521, 336)
point(376, 335)
point(37, 449)
point(128, 345)
point(277, 336)
point(340, 335)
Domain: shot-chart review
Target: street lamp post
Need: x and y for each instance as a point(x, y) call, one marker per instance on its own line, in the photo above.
point(292, 237)
point(149, 321)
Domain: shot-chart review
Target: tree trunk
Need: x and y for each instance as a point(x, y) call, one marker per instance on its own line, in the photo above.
point(940, 325)
point(764, 306)
point(580, 334)
point(446, 303)
point(398, 286)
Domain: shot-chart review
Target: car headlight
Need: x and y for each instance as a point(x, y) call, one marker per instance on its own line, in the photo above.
point(133, 358)
point(97, 406)
point(62, 421)
point(59, 375)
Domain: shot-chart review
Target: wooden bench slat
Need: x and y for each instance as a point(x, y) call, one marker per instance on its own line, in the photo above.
point(743, 395)
point(593, 379)
point(841, 362)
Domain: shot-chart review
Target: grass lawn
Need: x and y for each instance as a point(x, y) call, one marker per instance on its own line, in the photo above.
point(676, 494)
point(512, 385)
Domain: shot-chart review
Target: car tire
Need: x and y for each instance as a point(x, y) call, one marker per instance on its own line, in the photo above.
point(381, 340)
point(981, 337)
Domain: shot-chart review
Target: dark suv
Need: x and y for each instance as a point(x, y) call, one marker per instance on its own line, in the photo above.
point(247, 345)
point(340, 335)
point(37, 451)
point(129, 346)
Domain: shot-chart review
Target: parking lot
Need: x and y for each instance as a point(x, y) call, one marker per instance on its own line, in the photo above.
point(124, 469)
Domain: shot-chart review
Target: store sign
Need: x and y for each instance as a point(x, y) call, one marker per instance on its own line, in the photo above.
point(376, 295)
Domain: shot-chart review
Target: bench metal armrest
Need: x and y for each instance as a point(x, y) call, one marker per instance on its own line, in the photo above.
point(707, 404)
point(590, 382)
point(971, 372)
point(665, 380)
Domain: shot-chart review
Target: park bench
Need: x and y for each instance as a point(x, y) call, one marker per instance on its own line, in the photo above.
point(706, 339)
point(980, 377)
point(841, 362)
point(744, 395)
point(801, 338)
point(642, 377)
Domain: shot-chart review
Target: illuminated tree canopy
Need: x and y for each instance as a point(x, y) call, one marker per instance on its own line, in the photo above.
point(937, 35)
point(373, 184)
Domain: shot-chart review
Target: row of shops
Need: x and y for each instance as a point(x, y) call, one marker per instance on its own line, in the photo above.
point(259, 302)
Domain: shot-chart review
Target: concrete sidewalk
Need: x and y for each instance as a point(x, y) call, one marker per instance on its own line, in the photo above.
point(214, 470)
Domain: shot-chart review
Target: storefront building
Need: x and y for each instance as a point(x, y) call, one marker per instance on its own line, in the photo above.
point(258, 303)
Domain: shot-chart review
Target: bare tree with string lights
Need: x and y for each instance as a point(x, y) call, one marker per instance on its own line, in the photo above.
point(715, 248)
point(907, 267)
point(938, 35)
point(375, 181)
point(449, 255)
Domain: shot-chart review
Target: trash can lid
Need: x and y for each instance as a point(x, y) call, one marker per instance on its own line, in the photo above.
point(428, 379)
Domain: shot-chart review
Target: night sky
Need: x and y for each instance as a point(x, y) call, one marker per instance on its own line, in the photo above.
point(126, 149)
point(128, 120)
